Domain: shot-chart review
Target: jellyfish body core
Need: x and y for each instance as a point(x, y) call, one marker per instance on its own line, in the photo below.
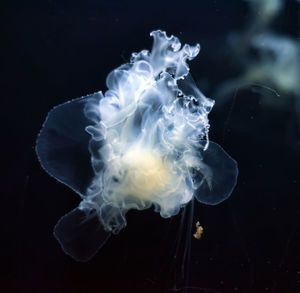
point(147, 174)
point(150, 131)
point(147, 144)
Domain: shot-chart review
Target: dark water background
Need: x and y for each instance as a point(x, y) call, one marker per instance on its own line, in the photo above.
point(58, 50)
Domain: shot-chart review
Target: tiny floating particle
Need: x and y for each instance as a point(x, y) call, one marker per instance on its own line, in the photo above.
point(199, 231)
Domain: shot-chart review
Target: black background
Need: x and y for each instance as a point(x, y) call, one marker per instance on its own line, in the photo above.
point(58, 50)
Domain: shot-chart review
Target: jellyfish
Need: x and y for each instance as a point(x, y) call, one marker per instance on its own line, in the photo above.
point(142, 143)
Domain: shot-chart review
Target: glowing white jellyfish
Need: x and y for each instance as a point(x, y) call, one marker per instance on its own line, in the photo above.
point(144, 142)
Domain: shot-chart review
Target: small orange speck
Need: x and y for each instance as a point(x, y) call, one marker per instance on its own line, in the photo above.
point(199, 231)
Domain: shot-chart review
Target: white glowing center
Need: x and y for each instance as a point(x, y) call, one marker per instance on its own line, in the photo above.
point(147, 173)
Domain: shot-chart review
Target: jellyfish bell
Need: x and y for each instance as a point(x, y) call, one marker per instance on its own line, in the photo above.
point(62, 148)
point(143, 143)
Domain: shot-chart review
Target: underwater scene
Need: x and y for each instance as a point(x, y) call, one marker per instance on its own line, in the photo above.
point(152, 146)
